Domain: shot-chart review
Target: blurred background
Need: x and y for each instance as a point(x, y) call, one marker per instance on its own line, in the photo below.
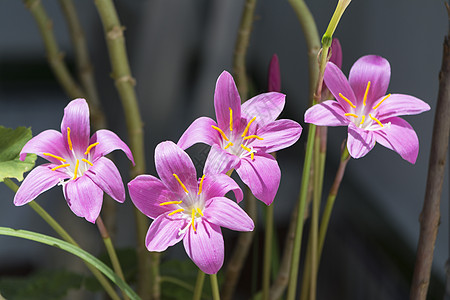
point(177, 49)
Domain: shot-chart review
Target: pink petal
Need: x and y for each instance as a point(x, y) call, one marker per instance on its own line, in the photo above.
point(108, 142)
point(226, 96)
point(147, 192)
point(327, 113)
point(359, 141)
point(278, 135)
point(401, 138)
point(336, 53)
point(217, 185)
point(274, 81)
point(205, 247)
point(371, 68)
point(200, 131)
point(265, 107)
point(219, 161)
point(400, 105)
point(39, 180)
point(163, 233)
point(84, 197)
point(337, 83)
point(226, 213)
point(48, 141)
point(76, 117)
point(104, 173)
point(262, 175)
point(171, 159)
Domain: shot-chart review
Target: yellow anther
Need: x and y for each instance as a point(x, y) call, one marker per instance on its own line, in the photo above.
point(199, 211)
point(376, 120)
point(76, 170)
point(231, 119)
point(351, 115)
point(54, 156)
point(385, 97)
point(86, 161)
point(221, 132)
point(193, 218)
point(246, 148)
point(60, 166)
point(90, 147)
point(201, 185)
point(179, 181)
point(253, 137)
point(252, 155)
point(365, 94)
point(248, 126)
point(228, 145)
point(176, 211)
point(69, 141)
point(348, 101)
point(363, 118)
point(170, 202)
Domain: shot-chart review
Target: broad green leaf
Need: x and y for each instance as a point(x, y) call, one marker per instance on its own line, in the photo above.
point(48, 240)
point(11, 142)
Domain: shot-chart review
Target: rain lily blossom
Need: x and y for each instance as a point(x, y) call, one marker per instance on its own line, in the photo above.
point(371, 115)
point(244, 135)
point(184, 208)
point(76, 162)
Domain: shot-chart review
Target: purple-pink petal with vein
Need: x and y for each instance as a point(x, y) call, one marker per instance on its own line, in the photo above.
point(147, 192)
point(226, 213)
point(337, 83)
point(84, 198)
point(219, 161)
point(205, 246)
point(274, 78)
point(171, 159)
point(200, 131)
point(401, 138)
point(217, 185)
point(48, 141)
point(226, 96)
point(76, 117)
point(278, 135)
point(164, 232)
point(359, 141)
point(262, 175)
point(375, 69)
point(336, 53)
point(108, 141)
point(104, 173)
point(327, 113)
point(400, 105)
point(265, 107)
point(40, 179)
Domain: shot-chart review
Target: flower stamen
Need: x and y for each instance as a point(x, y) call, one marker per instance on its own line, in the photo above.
point(253, 137)
point(376, 106)
point(246, 148)
point(376, 120)
point(346, 100)
point(69, 141)
point(228, 145)
point(365, 94)
point(60, 166)
point(76, 170)
point(54, 156)
point(248, 127)
point(90, 147)
point(221, 132)
point(179, 181)
point(200, 211)
point(363, 118)
point(351, 115)
point(231, 119)
point(193, 219)
point(176, 211)
point(201, 185)
point(170, 202)
point(86, 161)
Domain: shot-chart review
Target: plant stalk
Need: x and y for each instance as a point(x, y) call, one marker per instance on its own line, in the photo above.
point(199, 285)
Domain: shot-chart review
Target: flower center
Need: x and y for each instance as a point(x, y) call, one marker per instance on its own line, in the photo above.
point(362, 117)
point(75, 166)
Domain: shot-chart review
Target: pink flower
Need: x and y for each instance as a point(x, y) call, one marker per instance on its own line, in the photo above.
point(186, 209)
point(244, 136)
point(77, 163)
point(370, 114)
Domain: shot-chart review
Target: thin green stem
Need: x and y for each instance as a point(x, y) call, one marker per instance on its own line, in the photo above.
point(214, 286)
point(63, 233)
point(267, 251)
point(199, 285)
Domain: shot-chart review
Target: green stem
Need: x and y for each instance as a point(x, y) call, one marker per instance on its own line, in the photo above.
point(110, 249)
point(178, 282)
point(55, 225)
point(214, 286)
point(267, 252)
point(199, 285)
point(149, 281)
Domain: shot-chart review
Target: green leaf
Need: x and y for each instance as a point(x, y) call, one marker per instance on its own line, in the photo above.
point(48, 240)
point(11, 142)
